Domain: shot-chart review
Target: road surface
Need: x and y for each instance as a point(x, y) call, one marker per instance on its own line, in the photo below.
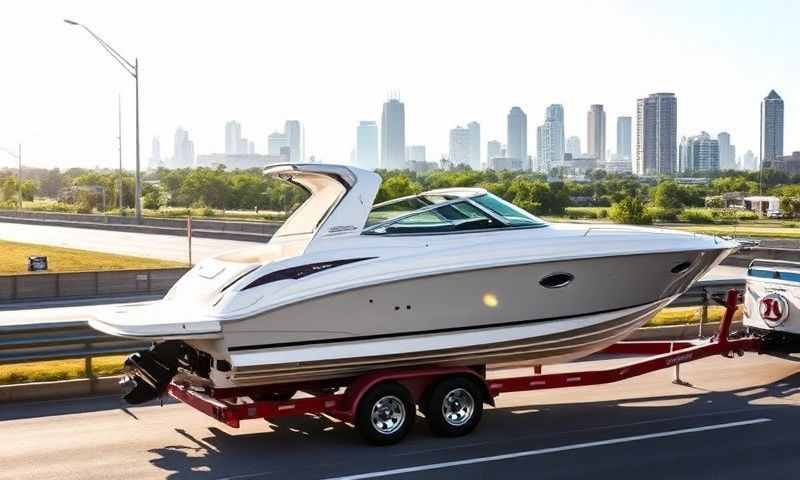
point(166, 247)
point(738, 421)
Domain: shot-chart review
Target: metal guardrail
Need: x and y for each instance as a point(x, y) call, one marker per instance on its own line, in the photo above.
point(75, 339)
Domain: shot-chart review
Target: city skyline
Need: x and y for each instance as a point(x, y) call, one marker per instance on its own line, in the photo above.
point(72, 120)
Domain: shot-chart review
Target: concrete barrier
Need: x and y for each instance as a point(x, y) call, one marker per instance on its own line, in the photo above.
point(36, 286)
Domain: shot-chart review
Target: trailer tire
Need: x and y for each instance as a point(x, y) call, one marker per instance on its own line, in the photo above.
point(385, 414)
point(454, 407)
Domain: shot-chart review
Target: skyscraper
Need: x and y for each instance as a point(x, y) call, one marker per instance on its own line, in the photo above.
point(393, 135)
point(573, 146)
point(771, 127)
point(517, 136)
point(294, 135)
point(749, 161)
point(233, 138)
point(656, 134)
point(493, 149)
point(550, 139)
point(367, 145)
point(727, 155)
point(700, 153)
point(183, 156)
point(459, 146)
point(596, 133)
point(416, 153)
point(275, 142)
point(474, 145)
point(624, 139)
point(155, 155)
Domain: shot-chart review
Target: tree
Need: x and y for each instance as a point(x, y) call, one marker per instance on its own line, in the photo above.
point(396, 187)
point(791, 206)
point(668, 195)
point(630, 210)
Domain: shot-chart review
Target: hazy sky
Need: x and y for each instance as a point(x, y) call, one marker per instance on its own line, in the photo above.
point(332, 63)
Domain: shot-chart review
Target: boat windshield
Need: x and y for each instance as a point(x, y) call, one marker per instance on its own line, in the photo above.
point(485, 206)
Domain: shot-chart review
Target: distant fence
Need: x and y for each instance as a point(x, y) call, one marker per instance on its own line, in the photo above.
point(87, 284)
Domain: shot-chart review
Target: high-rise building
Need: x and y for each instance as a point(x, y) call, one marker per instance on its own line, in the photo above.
point(726, 159)
point(596, 133)
point(749, 161)
point(493, 150)
point(699, 153)
point(656, 135)
point(416, 154)
point(276, 141)
point(624, 139)
point(573, 146)
point(155, 155)
point(459, 146)
point(771, 127)
point(367, 145)
point(517, 136)
point(294, 135)
point(233, 138)
point(183, 156)
point(393, 135)
point(550, 139)
point(474, 145)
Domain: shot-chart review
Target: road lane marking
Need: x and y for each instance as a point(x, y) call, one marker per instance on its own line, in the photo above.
point(564, 448)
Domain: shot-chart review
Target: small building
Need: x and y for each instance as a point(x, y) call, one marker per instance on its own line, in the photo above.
point(762, 205)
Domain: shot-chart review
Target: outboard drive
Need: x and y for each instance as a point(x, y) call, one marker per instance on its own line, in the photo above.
point(148, 373)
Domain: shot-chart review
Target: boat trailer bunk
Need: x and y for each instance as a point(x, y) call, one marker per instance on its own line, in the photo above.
point(382, 404)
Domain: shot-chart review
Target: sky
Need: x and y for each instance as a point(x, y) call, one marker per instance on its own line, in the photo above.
point(332, 64)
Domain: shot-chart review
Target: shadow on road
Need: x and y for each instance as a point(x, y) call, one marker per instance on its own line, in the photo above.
point(316, 445)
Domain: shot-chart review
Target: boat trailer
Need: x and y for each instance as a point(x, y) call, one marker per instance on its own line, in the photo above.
point(382, 404)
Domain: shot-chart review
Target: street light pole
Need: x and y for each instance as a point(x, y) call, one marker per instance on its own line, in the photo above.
point(133, 70)
point(119, 147)
point(19, 177)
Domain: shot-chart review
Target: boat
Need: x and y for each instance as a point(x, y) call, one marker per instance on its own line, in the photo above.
point(452, 277)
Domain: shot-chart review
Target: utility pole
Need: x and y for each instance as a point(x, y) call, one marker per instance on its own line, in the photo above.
point(119, 146)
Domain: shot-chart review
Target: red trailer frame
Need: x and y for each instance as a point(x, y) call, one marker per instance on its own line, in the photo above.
point(230, 407)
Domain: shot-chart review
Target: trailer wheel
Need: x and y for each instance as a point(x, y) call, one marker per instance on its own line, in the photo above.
point(455, 407)
point(385, 414)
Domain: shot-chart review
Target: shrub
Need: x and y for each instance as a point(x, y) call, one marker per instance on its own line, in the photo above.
point(630, 210)
point(581, 213)
point(696, 216)
point(207, 212)
point(746, 215)
point(664, 214)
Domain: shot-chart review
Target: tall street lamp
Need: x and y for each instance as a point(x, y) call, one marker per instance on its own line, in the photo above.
point(133, 70)
point(18, 156)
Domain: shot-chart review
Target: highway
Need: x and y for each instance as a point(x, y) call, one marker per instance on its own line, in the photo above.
point(737, 421)
point(165, 247)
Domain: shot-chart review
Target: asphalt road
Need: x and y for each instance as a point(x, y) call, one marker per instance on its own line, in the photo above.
point(738, 421)
point(166, 247)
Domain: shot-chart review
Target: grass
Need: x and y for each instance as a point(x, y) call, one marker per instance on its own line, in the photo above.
point(112, 365)
point(762, 230)
point(14, 259)
point(689, 315)
point(59, 370)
